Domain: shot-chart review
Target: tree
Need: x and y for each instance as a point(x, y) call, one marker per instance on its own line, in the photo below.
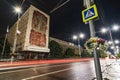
point(56, 50)
point(118, 55)
point(69, 52)
point(102, 54)
point(85, 54)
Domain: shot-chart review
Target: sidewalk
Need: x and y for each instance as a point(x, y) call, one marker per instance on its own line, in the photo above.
point(111, 69)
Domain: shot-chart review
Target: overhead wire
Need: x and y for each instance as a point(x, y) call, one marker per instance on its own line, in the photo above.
point(59, 6)
point(101, 12)
point(102, 18)
point(22, 3)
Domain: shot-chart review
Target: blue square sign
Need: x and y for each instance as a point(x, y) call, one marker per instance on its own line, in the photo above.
point(89, 13)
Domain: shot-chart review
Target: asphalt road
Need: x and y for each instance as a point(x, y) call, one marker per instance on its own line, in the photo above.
point(67, 71)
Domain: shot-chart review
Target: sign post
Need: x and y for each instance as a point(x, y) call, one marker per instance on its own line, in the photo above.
point(89, 14)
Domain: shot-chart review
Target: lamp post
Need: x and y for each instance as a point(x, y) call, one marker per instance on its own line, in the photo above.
point(112, 40)
point(117, 41)
point(18, 11)
point(117, 47)
point(4, 43)
point(104, 30)
point(80, 36)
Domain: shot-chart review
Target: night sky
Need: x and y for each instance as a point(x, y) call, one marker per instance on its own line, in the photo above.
point(67, 20)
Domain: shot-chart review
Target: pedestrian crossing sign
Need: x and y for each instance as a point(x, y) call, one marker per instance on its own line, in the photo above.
point(89, 13)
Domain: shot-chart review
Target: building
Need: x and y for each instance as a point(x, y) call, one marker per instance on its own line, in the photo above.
point(33, 40)
point(66, 45)
point(33, 26)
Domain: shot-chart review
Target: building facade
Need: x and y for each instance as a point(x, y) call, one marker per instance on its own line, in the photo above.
point(66, 45)
point(33, 40)
point(32, 24)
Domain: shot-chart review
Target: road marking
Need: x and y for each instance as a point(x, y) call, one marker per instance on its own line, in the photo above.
point(17, 67)
point(46, 74)
point(32, 67)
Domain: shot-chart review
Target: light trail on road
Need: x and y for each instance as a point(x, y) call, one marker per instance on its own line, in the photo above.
point(76, 69)
point(68, 71)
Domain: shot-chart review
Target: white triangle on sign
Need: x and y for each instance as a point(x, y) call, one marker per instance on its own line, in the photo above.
point(89, 14)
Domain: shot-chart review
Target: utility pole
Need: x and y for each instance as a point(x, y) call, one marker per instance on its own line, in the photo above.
point(3, 50)
point(15, 39)
point(18, 11)
point(92, 33)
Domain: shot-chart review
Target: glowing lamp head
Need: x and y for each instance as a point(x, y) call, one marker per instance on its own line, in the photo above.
point(74, 37)
point(115, 27)
point(82, 35)
point(103, 30)
point(17, 9)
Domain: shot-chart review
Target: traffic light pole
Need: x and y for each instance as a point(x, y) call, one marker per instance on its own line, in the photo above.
point(96, 58)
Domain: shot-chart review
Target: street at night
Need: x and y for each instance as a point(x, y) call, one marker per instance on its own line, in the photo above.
point(83, 70)
point(59, 40)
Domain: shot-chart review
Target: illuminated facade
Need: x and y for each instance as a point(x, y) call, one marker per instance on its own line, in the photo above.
point(34, 28)
point(33, 40)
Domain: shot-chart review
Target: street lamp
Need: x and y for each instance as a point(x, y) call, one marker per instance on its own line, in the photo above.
point(18, 10)
point(82, 35)
point(115, 27)
point(117, 47)
point(104, 30)
point(109, 42)
point(78, 37)
point(117, 41)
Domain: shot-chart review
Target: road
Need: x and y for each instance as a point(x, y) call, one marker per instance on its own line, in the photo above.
point(66, 71)
point(62, 71)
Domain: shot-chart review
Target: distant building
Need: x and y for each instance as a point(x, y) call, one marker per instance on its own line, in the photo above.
point(66, 45)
